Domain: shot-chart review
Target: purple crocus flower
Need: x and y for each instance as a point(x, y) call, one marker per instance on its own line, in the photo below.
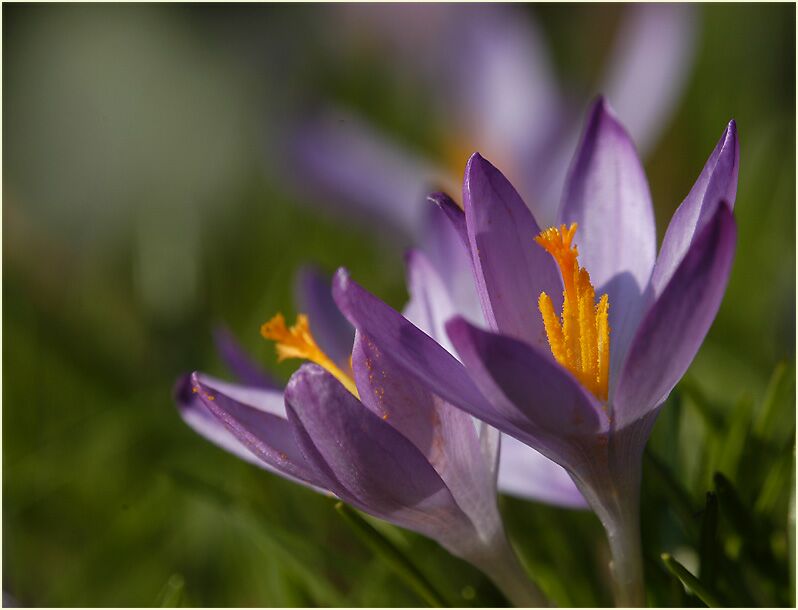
point(558, 383)
point(492, 86)
point(367, 432)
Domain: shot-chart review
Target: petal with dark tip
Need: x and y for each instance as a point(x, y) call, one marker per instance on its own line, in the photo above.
point(717, 182)
point(245, 369)
point(445, 242)
point(268, 436)
point(511, 269)
point(525, 473)
point(333, 333)
point(455, 216)
point(372, 464)
point(207, 425)
point(409, 347)
point(526, 387)
point(607, 195)
point(677, 322)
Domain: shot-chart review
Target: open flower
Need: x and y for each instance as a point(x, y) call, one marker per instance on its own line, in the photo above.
point(353, 423)
point(492, 86)
point(576, 372)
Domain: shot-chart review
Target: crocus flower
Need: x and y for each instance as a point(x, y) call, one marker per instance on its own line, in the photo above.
point(577, 373)
point(367, 432)
point(491, 85)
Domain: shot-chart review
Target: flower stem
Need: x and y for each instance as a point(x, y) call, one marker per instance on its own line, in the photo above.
point(505, 570)
point(617, 506)
point(627, 564)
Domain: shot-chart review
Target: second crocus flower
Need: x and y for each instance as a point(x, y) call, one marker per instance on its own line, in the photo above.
point(353, 423)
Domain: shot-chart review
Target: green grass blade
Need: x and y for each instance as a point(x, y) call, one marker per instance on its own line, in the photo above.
point(391, 555)
point(171, 595)
point(703, 592)
point(709, 541)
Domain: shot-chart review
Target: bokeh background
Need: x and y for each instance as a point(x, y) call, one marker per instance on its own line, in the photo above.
point(146, 201)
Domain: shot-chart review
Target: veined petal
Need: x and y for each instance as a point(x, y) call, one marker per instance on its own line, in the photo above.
point(408, 346)
point(717, 182)
point(445, 242)
point(332, 332)
point(607, 195)
point(239, 362)
point(649, 66)
point(525, 473)
point(207, 425)
point(529, 390)
point(677, 322)
point(445, 435)
point(430, 305)
point(356, 167)
point(370, 463)
point(456, 220)
point(511, 269)
point(267, 436)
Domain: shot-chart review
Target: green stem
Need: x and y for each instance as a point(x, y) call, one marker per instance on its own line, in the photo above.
point(616, 502)
point(627, 564)
point(503, 567)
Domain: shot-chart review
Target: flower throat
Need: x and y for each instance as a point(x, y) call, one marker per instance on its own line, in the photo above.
point(580, 338)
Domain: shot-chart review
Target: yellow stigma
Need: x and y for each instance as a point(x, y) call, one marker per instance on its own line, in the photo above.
point(580, 338)
point(298, 342)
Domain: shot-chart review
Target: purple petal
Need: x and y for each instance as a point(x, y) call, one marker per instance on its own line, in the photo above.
point(607, 195)
point(455, 223)
point(429, 306)
point(507, 88)
point(370, 463)
point(525, 473)
point(204, 423)
point(649, 67)
point(362, 172)
point(717, 182)
point(331, 330)
point(245, 369)
point(445, 435)
point(446, 244)
point(266, 435)
point(511, 269)
point(408, 346)
point(526, 387)
point(675, 325)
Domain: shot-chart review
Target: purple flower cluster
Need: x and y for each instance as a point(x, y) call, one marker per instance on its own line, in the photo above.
point(402, 418)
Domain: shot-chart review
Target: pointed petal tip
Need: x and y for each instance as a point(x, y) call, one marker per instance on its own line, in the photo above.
point(340, 282)
point(442, 200)
point(729, 136)
point(182, 390)
point(601, 113)
point(476, 162)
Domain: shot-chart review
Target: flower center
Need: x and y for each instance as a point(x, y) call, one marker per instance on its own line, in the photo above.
point(298, 342)
point(580, 338)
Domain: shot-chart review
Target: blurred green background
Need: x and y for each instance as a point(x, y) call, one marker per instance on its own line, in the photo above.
point(141, 208)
